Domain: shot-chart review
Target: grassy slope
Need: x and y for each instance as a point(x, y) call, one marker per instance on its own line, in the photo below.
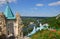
point(45, 34)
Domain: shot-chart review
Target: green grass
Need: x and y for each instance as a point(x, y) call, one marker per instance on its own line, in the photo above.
point(46, 34)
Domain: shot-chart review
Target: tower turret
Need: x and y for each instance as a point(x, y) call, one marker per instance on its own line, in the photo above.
point(8, 12)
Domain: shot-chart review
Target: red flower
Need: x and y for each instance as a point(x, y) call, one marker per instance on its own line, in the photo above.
point(53, 30)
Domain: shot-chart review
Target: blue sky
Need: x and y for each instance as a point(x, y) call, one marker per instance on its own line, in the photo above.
point(33, 7)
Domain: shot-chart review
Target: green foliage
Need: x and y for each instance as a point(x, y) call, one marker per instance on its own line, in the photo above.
point(28, 20)
point(52, 21)
point(46, 34)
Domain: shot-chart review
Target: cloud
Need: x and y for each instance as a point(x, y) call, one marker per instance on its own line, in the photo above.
point(54, 3)
point(4, 1)
point(39, 4)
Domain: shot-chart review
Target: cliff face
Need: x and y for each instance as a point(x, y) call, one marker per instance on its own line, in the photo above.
point(58, 16)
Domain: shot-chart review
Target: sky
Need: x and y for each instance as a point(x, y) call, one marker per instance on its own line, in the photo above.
point(40, 8)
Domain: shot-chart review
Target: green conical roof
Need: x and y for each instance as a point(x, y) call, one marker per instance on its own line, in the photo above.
point(8, 13)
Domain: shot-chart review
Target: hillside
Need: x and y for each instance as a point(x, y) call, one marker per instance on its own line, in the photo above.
point(46, 34)
point(52, 21)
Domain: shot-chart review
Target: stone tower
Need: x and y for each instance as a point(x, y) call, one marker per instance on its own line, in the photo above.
point(19, 25)
point(2, 24)
point(10, 24)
